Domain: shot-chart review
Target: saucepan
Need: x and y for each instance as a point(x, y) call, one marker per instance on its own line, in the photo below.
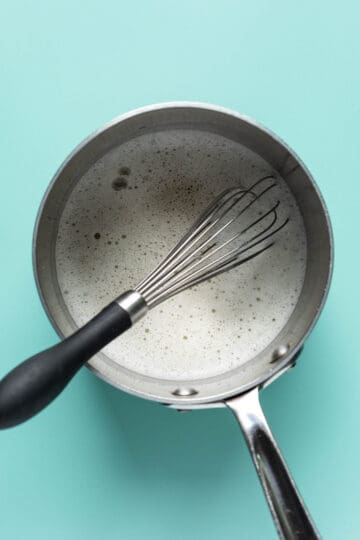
point(119, 203)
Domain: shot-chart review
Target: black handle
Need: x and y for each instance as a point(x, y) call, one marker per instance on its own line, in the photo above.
point(32, 385)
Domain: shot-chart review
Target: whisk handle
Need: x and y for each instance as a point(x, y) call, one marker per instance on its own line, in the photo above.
point(32, 385)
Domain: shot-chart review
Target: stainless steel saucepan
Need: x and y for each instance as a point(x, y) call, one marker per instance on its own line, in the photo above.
point(119, 203)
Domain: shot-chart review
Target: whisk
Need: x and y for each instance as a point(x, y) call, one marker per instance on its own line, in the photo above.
point(238, 226)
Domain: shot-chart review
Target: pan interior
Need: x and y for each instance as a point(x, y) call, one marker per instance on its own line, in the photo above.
point(124, 215)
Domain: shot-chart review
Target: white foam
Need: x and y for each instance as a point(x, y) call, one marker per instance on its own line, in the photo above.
point(171, 177)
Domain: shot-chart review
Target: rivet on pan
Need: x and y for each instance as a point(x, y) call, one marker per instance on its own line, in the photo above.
point(279, 353)
point(184, 392)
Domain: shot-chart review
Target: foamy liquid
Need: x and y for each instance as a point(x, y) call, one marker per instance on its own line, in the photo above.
point(129, 210)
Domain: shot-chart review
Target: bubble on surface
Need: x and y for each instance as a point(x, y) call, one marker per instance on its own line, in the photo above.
point(220, 325)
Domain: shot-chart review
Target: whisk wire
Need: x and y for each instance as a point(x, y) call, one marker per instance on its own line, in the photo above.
point(164, 270)
point(202, 253)
point(228, 260)
point(228, 265)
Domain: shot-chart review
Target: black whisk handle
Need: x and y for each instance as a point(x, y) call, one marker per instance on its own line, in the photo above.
point(32, 385)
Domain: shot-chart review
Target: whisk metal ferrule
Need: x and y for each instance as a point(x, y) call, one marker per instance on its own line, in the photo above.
point(134, 303)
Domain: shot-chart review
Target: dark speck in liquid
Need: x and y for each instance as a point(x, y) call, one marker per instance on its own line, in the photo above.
point(97, 236)
point(119, 183)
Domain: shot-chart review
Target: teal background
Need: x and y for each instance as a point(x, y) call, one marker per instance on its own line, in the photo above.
point(101, 464)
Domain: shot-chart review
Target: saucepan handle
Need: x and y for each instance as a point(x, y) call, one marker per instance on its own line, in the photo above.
point(290, 515)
